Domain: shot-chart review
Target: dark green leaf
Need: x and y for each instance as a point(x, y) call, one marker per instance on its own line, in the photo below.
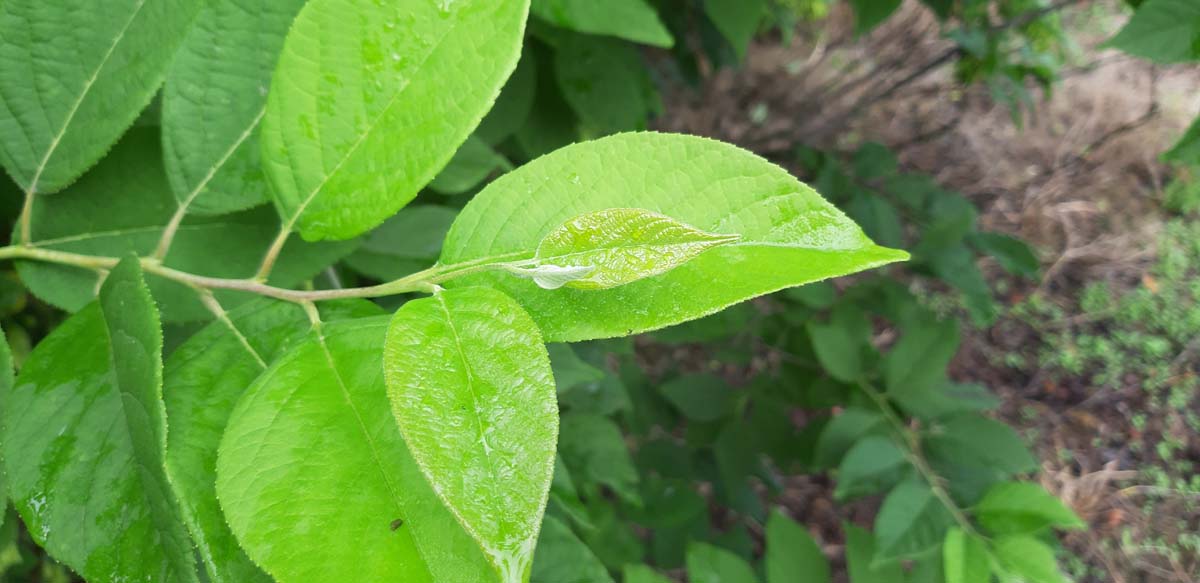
point(840, 344)
point(631, 20)
point(1013, 254)
point(860, 559)
point(843, 431)
point(403, 244)
point(643, 574)
point(472, 163)
point(562, 558)
point(700, 397)
point(1163, 31)
point(737, 20)
point(709, 564)
point(595, 452)
point(85, 433)
point(919, 359)
point(873, 465)
point(976, 441)
point(1187, 150)
point(871, 13)
point(514, 105)
point(605, 82)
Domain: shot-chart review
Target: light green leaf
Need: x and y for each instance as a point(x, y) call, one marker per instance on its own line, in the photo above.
point(482, 422)
point(1027, 559)
point(789, 235)
point(1163, 31)
point(617, 246)
point(84, 439)
point(403, 244)
point(514, 104)
point(562, 558)
point(737, 20)
point(792, 554)
point(605, 82)
point(312, 453)
point(860, 559)
point(122, 206)
point(1023, 508)
point(75, 77)
point(633, 20)
point(213, 100)
point(642, 574)
point(911, 521)
point(474, 161)
point(371, 99)
point(594, 450)
point(203, 380)
point(874, 464)
point(965, 558)
point(980, 442)
point(709, 564)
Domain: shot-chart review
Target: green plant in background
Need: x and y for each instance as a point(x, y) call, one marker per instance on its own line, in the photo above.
point(312, 437)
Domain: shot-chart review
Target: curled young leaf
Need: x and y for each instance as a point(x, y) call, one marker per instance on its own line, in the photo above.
point(613, 247)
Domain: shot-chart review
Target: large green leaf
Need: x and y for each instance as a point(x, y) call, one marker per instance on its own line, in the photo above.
point(316, 481)
point(371, 99)
point(792, 554)
point(1023, 508)
point(214, 98)
point(910, 521)
point(122, 206)
point(1027, 560)
point(1163, 31)
point(633, 20)
point(84, 439)
point(965, 558)
point(563, 558)
point(789, 234)
point(75, 76)
point(203, 380)
point(472, 391)
point(979, 442)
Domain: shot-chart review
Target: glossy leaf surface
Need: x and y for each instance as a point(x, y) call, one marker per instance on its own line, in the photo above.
point(84, 441)
point(789, 234)
point(75, 76)
point(214, 99)
point(482, 423)
point(312, 453)
point(371, 99)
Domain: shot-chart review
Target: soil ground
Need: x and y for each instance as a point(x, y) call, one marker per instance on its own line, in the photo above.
point(1080, 180)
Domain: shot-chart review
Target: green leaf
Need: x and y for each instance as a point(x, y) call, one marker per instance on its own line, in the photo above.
point(312, 452)
point(515, 103)
point(1027, 559)
point(571, 371)
point(618, 246)
point(1163, 31)
point(789, 235)
point(980, 442)
point(482, 424)
point(874, 464)
point(700, 397)
point(633, 20)
point(737, 20)
point(403, 244)
point(860, 559)
point(75, 77)
point(709, 564)
point(919, 359)
point(911, 521)
point(792, 554)
point(1023, 508)
point(1187, 150)
point(843, 431)
point(6, 387)
point(122, 206)
point(594, 450)
point(562, 558)
point(213, 100)
point(84, 439)
point(871, 13)
point(474, 161)
point(203, 380)
point(840, 344)
point(551, 123)
point(965, 558)
point(642, 574)
point(371, 99)
point(605, 82)
point(1013, 254)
